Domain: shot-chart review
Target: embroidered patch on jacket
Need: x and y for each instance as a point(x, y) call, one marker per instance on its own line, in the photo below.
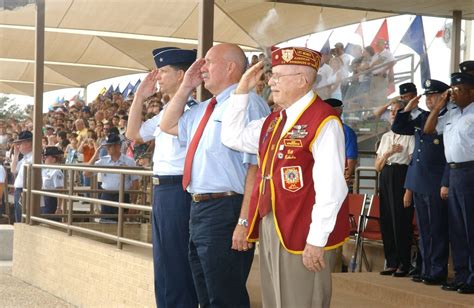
point(292, 178)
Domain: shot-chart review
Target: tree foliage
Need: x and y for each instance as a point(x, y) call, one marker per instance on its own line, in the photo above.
point(8, 109)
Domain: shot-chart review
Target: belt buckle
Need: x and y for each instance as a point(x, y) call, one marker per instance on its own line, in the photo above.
point(156, 181)
point(195, 198)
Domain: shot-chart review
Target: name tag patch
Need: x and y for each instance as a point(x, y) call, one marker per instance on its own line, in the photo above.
point(293, 143)
point(292, 178)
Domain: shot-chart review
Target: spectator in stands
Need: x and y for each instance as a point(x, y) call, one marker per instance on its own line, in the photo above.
point(393, 156)
point(22, 145)
point(380, 75)
point(335, 78)
point(322, 85)
point(52, 179)
point(111, 181)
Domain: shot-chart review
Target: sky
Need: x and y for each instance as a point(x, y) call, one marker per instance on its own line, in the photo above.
point(438, 51)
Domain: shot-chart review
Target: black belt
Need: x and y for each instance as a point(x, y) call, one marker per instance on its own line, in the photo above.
point(205, 197)
point(461, 165)
point(167, 179)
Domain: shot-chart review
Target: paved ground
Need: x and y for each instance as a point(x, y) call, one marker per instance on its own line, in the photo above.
point(17, 293)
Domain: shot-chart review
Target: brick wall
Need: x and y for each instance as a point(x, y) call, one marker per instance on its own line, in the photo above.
point(81, 271)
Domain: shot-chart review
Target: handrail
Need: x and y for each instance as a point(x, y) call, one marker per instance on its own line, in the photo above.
point(68, 194)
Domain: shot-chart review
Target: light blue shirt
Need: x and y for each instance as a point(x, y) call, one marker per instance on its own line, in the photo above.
point(457, 127)
point(111, 181)
point(217, 168)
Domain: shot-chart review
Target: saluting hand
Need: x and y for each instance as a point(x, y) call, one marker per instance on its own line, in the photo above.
point(148, 86)
point(412, 104)
point(441, 101)
point(313, 258)
point(397, 148)
point(250, 78)
point(193, 76)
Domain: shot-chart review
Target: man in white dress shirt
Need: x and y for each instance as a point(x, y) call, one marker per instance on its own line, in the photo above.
point(301, 162)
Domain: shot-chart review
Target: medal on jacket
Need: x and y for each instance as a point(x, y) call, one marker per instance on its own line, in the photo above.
point(298, 132)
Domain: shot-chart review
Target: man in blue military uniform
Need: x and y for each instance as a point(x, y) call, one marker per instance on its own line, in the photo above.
point(111, 181)
point(217, 177)
point(350, 136)
point(424, 179)
point(457, 126)
point(174, 285)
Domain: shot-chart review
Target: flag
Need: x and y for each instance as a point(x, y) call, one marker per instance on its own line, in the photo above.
point(415, 39)
point(117, 89)
point(102, 91)
point(127, 90)
point(109, 92)
point(326, 49)
point(359, 32)
point(353, 50)
point(135, 87)
point(381, 34)
point(440, 33)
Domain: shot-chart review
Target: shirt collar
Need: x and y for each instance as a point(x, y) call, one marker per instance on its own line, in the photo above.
point(294, 110)
point(224, 95)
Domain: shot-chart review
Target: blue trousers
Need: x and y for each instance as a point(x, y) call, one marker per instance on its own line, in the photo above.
point(220, 273)
point(105, 209)
point(432, 220)
point(50, 205)
point(461, 223)
point(17, 205)
point(174, 286)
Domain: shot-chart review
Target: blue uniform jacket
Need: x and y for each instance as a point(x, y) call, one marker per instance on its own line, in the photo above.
point(428, 170)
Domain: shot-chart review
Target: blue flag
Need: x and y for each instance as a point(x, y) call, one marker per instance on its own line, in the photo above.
point(109, 92)
point(127, 90)
point(135, 87)
point(415, 39)
point(353, 50)
point(326, 49)
point(117, 89)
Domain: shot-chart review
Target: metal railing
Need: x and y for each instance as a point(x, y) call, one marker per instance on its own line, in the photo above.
point(70, 195)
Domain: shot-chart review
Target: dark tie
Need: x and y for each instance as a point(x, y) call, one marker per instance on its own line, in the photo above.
point(265, 204)
point(188, 162)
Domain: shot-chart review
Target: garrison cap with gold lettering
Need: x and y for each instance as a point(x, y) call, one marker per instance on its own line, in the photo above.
point(433, 86)
point(173, 56)
point(462, 78)
point(407, 87)
point(296, 56)
point(467, 67)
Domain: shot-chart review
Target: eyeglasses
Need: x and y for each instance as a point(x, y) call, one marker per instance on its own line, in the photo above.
point(276, 78)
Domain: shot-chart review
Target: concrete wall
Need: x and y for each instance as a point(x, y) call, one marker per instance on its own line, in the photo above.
point(81, 271)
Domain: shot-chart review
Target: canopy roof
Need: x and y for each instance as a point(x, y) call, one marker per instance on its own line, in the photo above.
point(90, 40)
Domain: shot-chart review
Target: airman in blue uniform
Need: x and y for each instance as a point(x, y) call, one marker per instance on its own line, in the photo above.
point(174, 286)
point(457, 126)
point(425, 178)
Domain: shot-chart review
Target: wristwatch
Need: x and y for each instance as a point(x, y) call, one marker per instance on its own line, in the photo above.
point(243, 222)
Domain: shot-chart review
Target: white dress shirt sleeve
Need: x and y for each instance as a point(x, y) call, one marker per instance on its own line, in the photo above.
point(148, 128)
point(329, 184)
point(235, 134)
